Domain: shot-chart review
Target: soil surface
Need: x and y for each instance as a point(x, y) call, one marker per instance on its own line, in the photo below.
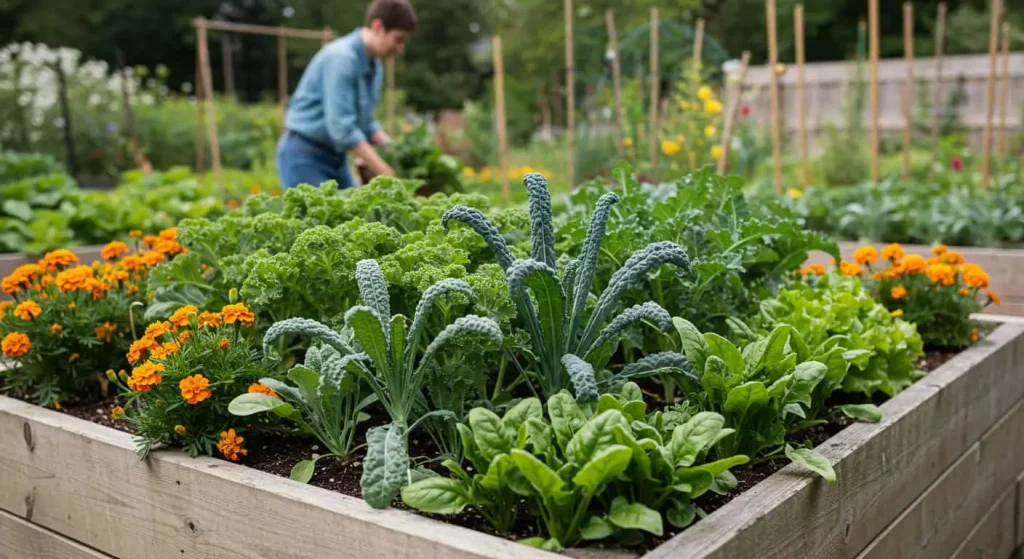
point(276, 454)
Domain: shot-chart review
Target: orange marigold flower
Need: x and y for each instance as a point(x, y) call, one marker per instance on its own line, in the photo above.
point(974, 276)
point(897, 313)
point(892, 252)
point(21, 277)
point(230, 445)
point(941, 273)
point(56, 329)
point(145, 376)
point(165, 246)
point(232, 204)
point(75, 279)
point(15, 345)
point(179, 429)
point(850, 269)
point(105, 332)
point(114, 249)
point(939, 250)
point(913, 264)
point(973, 335)
point(181, 317)
point(28, 310)
point(194, 389)
point(878, 276)
point(149, 240)
point(72, 306)
point(133, 289)
point(169, 234)
point(953, 257)
point(898, 292)
point(135, 233)
point(165, 350)
point(116, 413)
point(964, 291)
point(238, 312)
point(58, 259)
point(209, 319)
point(116, 276)
point(865, 255)
point(224, 343)
point(158, 329)
point(152, 258)
point(260, 388)
point(184, 336)
point(140, 346)
point(817, 269)
point(133, 263)
point(74, 357)
point(993, 297)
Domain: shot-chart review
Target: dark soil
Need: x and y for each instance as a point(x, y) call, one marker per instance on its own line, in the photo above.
point(277, 453)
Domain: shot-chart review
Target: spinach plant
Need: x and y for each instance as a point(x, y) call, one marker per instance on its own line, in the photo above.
point(561, 340)
point(385, 354)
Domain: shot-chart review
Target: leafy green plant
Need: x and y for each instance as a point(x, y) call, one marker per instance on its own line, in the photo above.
point(564, 346)
point(383, 354)
point(326, 400)
point(415, 156)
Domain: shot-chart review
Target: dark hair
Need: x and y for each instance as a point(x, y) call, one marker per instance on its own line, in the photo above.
point(394, 14)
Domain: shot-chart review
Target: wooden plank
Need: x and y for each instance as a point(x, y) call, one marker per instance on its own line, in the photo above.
point(263, 29)
point(773, 60)
point(995, 7)
point(801, 91)
point(1019, 532)
point(655, 85)
point(201, 26)
point(993, 537)
point(620, 116)
point(940, 39)
point(941, 519)
point(499, 108)
point(570, 93)
point(730, 113)
point(84, 481)
point(873, 89)
point(1004, 88)
point(908, 93)
point(23, 540)
point(881, 468)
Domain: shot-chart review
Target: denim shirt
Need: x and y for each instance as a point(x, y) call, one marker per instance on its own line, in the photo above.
point(334, 101)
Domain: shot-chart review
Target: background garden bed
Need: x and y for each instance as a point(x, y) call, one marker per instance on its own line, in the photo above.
point(940, 476)
point(1004, 266)
point(11, 260)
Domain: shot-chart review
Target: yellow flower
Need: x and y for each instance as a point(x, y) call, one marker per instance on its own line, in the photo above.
point(849, 269)
point(898, 292)
point(179, 429)
point(27, 310)
point(181, 317)
point(56, 329)
point(795, 193)
point(194, 389)
point(865, 255)
point(158, 329)
point(114, 249)
point(941, 273)
point(913, 264)
point(892, 252)
point(975, 276)
point(716, 151)
point(224, 343)
point(709, 131)
point(15, 345)
point(973, 335)
point(628, 142)
point(953, 257)
point(817, 269)
point(238, 312)
point(712, 107)
point(704, 93)
point(135, 233)
point(117, 413)
point(939, 250)
point(670, 148)
point(897, 313)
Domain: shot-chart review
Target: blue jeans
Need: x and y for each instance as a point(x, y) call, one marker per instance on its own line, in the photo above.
point(301, 162)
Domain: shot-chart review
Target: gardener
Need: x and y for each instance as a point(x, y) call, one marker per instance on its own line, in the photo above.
point(331, 112)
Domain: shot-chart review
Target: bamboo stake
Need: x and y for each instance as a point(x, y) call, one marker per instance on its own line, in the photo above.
point(211, 117)
point(990, 93)
point(655, 89)
point(698, 41)
point(570, 93)
point(390, 97)
point(282, 72)
point(200, 160)
point(1004, 97)
point(544, 102)
point(499, 106)
point(229, 71)
point(908, 92)
point(620, 118)
point(940, 30)
point(263, 30)
point(730, 114)
point(327, 35)
point(801, 91)
point(873, 56)
point(773, 60)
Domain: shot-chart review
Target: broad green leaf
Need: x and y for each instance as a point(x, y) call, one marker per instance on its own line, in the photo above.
point(744, 397)
point(811, 460)
point(725, 483)
point(863, 412)
point(715, 380)
point(693, 437)
point(518, 414)
point(805, 378)
point(497, 473)
point(681, 514)
point(608, 402)
point(307, 381)
point(694, 345)
point(438, 495)
point(697, 481)
point(635, 410)
point(549, 310)
point(248, 404)
point(595, 435)
point(636, 516)
point(469, 447)
point(385, 465)
point(398, 340)
point(303, 471)
point(541, 477)
point(489, 434)
point(726, 351)
point(640, 460)
point(718, 467)
point(604, 466)
point(596, 528)
point(539, 435)
point(581, 374)
point(566, 417)
point(550, 544)
point(366, 326)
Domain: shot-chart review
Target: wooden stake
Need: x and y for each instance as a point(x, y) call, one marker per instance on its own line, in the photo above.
point(229, 71)
point(698, 40)
point(990, 93)
point(545, 112)
point(940, 30)
point(801, 91)
point(655, 90)
point(620, 118)
point(211, 116)
point(730, 114)
point(327, 35)
point(390, 97)
point(499, 107)
point(570, 93)
point(282, 71)
point(1004, 96)
point(873, 63)
point(200, 160)
point(908, 92)
point(773, 60)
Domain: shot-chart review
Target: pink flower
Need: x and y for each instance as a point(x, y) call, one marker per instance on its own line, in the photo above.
point(957, 164)
point(745, 111)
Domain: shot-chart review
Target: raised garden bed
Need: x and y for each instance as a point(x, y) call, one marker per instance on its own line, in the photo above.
point(11, 260)
point(939, 476)
point(1005, 266)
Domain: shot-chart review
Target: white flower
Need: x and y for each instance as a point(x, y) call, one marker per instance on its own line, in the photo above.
point(186, 87)
point(95, 99)
point(147, 99)
point(24, 99)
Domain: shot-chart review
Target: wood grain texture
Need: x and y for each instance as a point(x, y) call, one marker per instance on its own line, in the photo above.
point(82, 480)
point(1019, 511)
point(992, 537)
point(882, 468)
point(941, 519)
point(23, 540)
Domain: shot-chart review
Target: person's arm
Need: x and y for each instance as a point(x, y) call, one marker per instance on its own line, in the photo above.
point(380, 138)
point(340, 109)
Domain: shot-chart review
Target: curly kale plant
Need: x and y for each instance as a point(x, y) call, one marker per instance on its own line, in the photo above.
point(386, 355)
point(566, 347)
